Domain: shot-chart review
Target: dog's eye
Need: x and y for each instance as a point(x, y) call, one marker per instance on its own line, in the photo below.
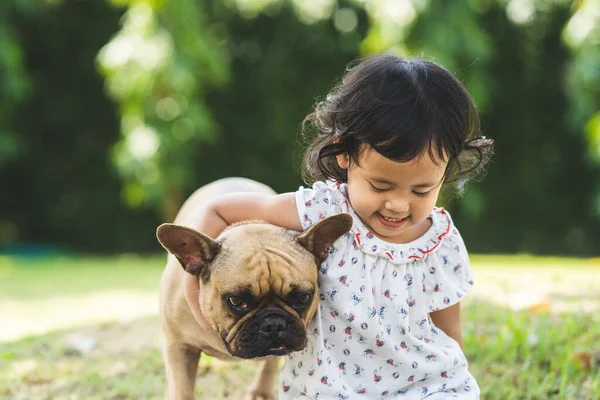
point(303, 299)
point(238, 303)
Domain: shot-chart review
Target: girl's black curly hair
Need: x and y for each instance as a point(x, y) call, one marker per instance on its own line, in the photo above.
point(399, 108)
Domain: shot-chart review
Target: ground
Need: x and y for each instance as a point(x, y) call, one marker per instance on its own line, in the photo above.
point(73, 328)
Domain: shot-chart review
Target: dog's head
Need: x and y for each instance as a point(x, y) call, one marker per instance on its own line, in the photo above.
point(258, 282)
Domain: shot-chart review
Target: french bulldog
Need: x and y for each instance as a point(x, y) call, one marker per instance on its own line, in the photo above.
point(258, 289)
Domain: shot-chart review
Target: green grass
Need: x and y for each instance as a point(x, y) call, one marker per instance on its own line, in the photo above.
point(514, 355)
point(524, 355)
point(25, 278)
point(44, 367)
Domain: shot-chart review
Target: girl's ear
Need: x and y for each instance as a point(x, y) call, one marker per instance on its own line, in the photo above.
point(343, 160)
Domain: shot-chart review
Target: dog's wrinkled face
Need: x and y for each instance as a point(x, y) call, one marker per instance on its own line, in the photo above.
point(258, 282)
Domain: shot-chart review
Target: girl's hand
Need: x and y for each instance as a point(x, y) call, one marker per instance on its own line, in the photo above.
point(228, 209)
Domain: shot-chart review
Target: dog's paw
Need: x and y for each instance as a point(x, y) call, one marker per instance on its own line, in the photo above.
point(258, 394)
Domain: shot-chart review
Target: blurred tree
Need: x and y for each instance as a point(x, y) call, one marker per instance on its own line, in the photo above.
point(61, 189)
point(158, 67)
point(14, 82)
point(279, 65)
point(508, 53)
point(582, 35)
point(213, 88)
point(526, 203)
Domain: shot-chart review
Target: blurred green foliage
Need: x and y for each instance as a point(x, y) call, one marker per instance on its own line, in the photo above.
point(112, 113)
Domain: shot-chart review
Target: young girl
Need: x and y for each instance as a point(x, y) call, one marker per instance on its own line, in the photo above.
point(388, 325)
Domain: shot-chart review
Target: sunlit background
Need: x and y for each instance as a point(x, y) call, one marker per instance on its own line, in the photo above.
point(113, 112)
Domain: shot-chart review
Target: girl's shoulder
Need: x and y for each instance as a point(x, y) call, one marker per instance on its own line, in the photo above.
point(447, 274)
point(321, 200)
point(322, 190)
point(442, 236)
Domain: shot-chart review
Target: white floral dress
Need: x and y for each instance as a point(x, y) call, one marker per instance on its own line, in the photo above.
point(372, 337)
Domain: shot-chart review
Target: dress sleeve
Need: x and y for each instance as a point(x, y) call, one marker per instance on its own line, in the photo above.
point(447, 276)
point(318, 202)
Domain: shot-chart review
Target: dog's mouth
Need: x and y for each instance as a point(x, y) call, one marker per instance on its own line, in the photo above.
point(250, 343)
point(266, 332)
point(257, 350)
point(278, 351)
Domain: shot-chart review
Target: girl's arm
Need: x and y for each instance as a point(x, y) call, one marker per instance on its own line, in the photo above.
point(227, 209)
point(448, 320)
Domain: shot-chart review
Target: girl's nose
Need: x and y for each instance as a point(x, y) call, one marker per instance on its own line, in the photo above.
point(397, 206)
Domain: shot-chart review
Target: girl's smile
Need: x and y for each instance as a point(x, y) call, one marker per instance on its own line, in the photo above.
point(392, 223)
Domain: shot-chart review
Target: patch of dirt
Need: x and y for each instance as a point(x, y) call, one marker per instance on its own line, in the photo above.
point(103, 361)
point(24, 317)
point(119, 338)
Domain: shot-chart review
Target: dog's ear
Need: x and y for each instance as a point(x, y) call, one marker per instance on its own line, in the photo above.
point(194, 250)
point(318, 238)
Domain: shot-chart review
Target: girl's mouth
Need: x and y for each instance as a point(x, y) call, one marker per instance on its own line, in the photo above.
point(393, 223)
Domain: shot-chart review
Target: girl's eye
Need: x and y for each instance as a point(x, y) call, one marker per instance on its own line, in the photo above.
point(421, 194)
point(377, 190)
point(238, 303)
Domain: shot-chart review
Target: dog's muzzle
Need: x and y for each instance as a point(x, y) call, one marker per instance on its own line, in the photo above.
point(267, 331)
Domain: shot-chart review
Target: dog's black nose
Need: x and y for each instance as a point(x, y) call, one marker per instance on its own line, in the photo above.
point(272, 325)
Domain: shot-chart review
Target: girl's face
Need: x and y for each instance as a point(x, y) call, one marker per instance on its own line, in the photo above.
point(393, 199)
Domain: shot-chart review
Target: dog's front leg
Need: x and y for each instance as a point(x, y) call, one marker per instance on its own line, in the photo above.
point(264, 384)
point(181, 361)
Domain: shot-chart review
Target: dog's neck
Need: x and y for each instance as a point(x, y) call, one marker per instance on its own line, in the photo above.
point(191, 296)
